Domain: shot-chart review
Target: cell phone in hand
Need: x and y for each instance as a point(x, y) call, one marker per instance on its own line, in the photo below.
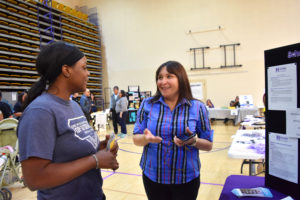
point(185, 137)
point(110, 142)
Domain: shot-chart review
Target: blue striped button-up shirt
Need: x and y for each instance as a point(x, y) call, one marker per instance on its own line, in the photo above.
point(165, 162)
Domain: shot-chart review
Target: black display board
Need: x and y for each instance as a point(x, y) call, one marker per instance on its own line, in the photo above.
point(276, 119)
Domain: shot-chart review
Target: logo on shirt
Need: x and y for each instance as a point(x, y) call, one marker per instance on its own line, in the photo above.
point(83, 131)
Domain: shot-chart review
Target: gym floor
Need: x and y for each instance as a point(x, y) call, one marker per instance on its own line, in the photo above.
point(126, 183)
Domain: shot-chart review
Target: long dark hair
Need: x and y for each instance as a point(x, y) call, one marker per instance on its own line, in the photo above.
point(123, 93)
point(49, 66)
point(178, 70)
point(20, 97)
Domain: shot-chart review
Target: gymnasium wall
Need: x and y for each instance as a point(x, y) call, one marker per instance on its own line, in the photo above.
point(139, 35)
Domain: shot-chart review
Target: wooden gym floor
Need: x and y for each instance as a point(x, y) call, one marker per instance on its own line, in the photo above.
point(126, 183)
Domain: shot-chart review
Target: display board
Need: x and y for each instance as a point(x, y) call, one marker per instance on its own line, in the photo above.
point(282, 72)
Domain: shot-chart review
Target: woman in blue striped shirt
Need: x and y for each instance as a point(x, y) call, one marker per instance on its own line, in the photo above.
point(172, 126)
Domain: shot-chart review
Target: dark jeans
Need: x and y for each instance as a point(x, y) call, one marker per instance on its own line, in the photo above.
point(88, 117)
point(158, 191)
point(122, 121)
point(115, 120)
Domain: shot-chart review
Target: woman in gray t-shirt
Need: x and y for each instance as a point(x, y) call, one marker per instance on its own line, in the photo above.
point(59, 151)
point(122, 111)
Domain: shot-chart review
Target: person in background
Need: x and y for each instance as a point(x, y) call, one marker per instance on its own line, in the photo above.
point(113, 100)
point(261, 165)
point(122, 111)
point(75, 97)
point(60, 153)
point(85, 104)
point(5, 109)
point(170, 165)
point(5, 101)
point(18, 108)
point(235, 103)
point(93, 103)
point(209, 103)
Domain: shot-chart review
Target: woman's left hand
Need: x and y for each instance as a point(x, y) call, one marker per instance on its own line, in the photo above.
point(181, 143)
point(104, 142)
point(178, 142)
point(115, 148)
point(103, 145)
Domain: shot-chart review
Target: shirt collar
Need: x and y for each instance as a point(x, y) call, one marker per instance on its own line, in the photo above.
point(182, 102)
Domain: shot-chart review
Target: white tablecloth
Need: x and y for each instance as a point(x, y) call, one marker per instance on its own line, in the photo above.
point(250, 122)
point(248, 144)
point(220, 113)
point(100, 120)
point(243, 112)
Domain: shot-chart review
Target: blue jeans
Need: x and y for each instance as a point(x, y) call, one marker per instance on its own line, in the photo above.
point(122, 121)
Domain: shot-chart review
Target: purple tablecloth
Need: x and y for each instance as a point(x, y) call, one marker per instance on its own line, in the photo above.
point(239, 181)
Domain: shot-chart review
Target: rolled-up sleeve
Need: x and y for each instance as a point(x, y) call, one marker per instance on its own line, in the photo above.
point(203, 127)
point(37, 135)
point(141, 120)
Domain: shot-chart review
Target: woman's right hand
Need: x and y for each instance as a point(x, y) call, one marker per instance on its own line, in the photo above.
point(107, 160)
point(150, 138)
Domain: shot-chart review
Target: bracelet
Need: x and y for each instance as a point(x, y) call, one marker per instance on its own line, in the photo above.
point(194, 143)
point(97, 162)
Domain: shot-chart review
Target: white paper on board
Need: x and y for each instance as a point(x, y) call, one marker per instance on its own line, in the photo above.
point(283, 157)
point(197, 90)
point(282, 86)
point(293, 123)
point(14, 96)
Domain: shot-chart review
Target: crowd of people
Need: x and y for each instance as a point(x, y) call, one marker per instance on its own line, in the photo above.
point(86, 102)
point(233, 103)
point(6, 110)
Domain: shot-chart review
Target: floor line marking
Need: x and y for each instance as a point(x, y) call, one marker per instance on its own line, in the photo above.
point(125, 192)
point(131, 174)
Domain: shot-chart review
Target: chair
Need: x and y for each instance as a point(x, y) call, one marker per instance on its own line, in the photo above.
point(15, 50)
point(108, 116)
point(25, 36)
point(33, 9)
point(4, 65)
point(14, 34)
point(14, 25)
point(13, 18)
point(23, 21)
point(13, 10)
point(12, 1)
point(2, 6)
point(3, 31)
point(3, 22)
point(23, 13)
point(32, 16)
point(10, 165)
point(100, 120)
point(23, 5)
point(3, 14)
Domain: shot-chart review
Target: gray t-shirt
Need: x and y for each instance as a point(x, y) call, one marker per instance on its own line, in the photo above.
point(57, 130)
point(121, 105)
